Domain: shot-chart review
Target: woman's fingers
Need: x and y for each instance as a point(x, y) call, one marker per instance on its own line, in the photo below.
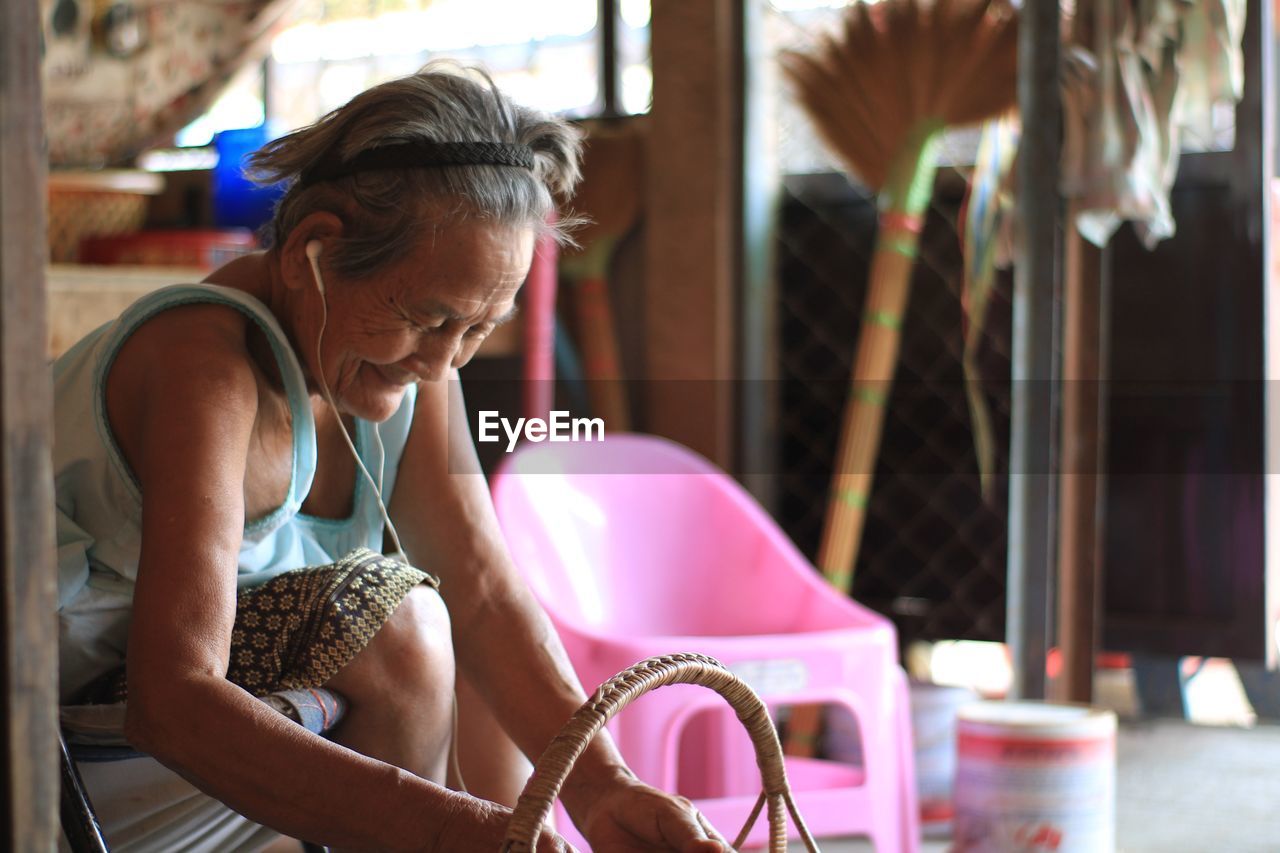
point(550, 842)
point(712, 833)
point(688, 830)
point(705, 825)
point(638, 818)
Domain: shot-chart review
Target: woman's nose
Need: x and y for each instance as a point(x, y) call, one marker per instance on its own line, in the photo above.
point(435, 358)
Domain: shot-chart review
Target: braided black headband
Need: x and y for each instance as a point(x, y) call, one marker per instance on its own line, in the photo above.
point(421, 154)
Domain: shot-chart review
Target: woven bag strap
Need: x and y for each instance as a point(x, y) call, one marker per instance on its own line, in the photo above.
point(553, 766)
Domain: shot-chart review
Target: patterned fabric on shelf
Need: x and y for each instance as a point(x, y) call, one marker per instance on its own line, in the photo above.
point(103, 110)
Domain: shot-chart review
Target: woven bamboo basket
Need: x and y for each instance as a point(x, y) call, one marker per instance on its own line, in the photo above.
point(95, 204)
point(553, 766)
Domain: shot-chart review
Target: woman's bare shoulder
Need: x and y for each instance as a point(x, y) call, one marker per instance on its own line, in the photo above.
point(199, 343)
point(185, 360)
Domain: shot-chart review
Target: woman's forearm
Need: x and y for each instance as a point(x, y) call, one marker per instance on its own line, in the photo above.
point(278, 774)
point(503, 640)
point(508, 647)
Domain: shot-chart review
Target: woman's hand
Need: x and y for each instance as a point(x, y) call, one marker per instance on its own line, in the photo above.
point(633, 817)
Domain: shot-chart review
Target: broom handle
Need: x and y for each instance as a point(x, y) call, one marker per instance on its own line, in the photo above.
point(600, 355)
point(859, 439)
point(902, 201)
point(863, 422)
point(598, 338)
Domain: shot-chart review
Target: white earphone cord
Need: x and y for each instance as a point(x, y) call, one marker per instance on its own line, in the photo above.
point(324, 387)
point(454, 764)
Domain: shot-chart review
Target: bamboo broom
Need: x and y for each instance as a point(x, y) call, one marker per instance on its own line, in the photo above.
point(880, 91)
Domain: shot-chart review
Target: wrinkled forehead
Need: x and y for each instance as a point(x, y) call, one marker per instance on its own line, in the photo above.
point(469, 268)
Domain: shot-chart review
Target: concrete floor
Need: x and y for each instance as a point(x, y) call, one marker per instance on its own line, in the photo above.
point(1181, 788)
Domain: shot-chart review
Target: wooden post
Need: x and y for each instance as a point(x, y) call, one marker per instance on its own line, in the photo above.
point(28, 597)
point(692, 202)
point(1082, 486)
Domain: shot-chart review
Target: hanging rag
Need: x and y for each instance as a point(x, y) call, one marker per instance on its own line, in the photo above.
point(1139, 76)
point(1140, 80)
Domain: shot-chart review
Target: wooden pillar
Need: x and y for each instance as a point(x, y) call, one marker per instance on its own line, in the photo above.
point(1081, 491)
point(28, 635)
point(691, 223)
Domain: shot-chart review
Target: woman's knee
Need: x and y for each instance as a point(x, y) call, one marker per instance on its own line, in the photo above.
point(411, 653)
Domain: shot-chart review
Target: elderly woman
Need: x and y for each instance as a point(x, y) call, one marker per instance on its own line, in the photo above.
point(220, 438)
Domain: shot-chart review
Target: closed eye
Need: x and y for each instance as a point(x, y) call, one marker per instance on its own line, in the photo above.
point(431, 327)
point(439, 323)
point(442, 327)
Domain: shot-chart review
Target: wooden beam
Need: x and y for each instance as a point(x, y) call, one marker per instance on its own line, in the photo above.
point(692, 204)
point(28, 630)
point(1081, 490)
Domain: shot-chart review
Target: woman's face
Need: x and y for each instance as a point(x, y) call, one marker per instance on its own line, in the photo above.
point(420, 317)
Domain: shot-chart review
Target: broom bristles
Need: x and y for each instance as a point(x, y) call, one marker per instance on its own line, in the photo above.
point(894, 65)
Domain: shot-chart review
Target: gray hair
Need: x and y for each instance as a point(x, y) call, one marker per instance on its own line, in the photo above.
point(384, 212)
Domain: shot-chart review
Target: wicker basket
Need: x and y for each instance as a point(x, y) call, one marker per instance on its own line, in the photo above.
point(89, 204)
point(557, 760)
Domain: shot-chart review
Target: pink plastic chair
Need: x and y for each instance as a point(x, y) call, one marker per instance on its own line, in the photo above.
point(638, 547)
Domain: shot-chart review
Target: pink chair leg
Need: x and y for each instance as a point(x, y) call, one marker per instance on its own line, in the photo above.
point(908, 803)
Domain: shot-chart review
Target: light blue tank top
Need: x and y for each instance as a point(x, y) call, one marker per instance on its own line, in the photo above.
point(99, 511)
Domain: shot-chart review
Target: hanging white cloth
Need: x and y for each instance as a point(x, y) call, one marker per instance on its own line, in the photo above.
point(1138, 75)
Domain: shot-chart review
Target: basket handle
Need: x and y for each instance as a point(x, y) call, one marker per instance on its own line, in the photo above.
point(553, 766)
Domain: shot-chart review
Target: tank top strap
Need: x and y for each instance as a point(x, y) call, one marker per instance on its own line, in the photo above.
point(303, 422)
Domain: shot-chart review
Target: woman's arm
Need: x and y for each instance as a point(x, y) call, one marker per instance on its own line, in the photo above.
point(503, 639)
point(185, 422)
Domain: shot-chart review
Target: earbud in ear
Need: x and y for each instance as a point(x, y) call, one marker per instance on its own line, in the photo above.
point(313, 250)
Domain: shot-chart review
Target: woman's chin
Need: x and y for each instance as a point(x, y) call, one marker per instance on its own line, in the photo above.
point(375, 407)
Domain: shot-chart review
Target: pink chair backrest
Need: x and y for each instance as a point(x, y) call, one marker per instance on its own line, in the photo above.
point(636, 534)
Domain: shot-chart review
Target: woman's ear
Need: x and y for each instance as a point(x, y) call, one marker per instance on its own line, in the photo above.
point(317, 230)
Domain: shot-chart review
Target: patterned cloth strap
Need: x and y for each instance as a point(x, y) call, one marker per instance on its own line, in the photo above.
point(316, 708)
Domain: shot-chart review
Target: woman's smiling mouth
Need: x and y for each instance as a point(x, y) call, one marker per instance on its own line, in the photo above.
point(396, 378)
